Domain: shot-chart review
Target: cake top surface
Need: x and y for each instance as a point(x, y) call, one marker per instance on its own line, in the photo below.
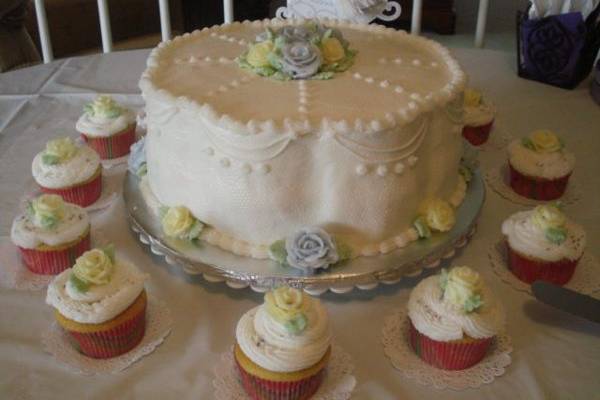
point(394, 78)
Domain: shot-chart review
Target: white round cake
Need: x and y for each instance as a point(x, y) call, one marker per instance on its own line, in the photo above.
point(255, 158)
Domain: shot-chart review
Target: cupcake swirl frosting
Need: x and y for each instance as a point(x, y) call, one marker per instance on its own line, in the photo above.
point(547, 165)
point(527, 236)
point(104, 117)
point(99, 303)
point(73, 223)
point(440, 318)
point(270, 343)
point(77, 169)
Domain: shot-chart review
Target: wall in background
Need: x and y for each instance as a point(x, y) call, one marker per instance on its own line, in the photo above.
point(501, 15)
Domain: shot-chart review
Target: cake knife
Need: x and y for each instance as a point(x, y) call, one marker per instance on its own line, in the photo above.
point(567, 300)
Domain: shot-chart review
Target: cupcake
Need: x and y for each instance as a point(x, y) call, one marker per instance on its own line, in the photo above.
point(543, 244)
point(478, 117)
point(283, 346)
point(107, 127)
point(454, 319)
point(51, 234)
point(70, 171)
point(101, 303)
point(539, 166)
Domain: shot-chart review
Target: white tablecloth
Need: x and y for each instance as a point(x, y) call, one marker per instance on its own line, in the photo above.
point(556, 355)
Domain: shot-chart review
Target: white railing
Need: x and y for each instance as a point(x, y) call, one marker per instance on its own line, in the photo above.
point(165, 23)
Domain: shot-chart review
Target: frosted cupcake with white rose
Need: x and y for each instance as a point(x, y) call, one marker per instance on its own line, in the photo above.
point(70, 171)
point(478, 117)
point(543, 244)
point(107, 127)
point(51, 234)
point(283, 346)
point(454, 318)
point(540, 166)
point(101, 303)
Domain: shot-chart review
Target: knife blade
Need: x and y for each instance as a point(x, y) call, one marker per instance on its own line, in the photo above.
point(567, 300)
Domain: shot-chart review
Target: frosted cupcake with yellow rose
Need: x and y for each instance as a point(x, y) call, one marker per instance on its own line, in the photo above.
point(107, 127)
point(100, 303)
point(283, 346)
point(478, 117)
point(70, 171)
point(543, 244)
point(454, 318)
point(51, 234)
point(540, 166)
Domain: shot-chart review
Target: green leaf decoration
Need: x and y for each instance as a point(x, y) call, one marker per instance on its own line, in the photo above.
point(78, 284)
point(114, 113)
point(422, 228)
point(321, 76)
point(327, 34)
point(89, 109)
point(142, 170)
point(344, 251)
point(466, 173)
point(556, 235)
point(278, 252)
point(443, 279)
point(48, 222)
point(264, 71)
point(162, 211)
point(109, 250)
point(526, 142)
point(473, 303)
point(195, 230)
point(296, 325)
point(50, 159)
point(279, 42)
point(281, 76)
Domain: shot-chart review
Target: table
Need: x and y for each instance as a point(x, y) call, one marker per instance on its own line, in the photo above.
point(556, 355)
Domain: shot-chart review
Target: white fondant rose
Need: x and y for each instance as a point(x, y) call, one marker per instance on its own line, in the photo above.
point(461, 286)
point(104, 107)
point(438, 214)
point(94, 266)
point(59, 150)
point(177, 221)
point(47, 210)
point(332, 50)
point(545, 141)
point(472, 98)
point(300, 59)
point(310, 249)
point(258, 54)
point(548, 216)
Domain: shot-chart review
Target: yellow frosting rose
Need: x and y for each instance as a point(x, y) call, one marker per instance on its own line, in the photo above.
point(438, 214)
point(472, 98)
point(94, 266)
point(177, 222)
point(548, 216)
point(104, 106)
point(332, 50)
point(62, 149)
point(285, 304)
point(47, 209)
point(462, 285)
point(258, 54)
point(545, 141)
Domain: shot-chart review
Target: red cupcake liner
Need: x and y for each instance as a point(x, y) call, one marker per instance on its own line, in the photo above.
point(477, 135)
point(262, 389)
point(528, 270)
point(115, 341)
point(448, 355)
point(53, 262)
point(537, 188)
point(114, 146)
point(83, 195)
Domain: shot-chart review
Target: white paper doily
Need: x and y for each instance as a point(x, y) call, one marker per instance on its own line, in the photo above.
point(498, 179)
point(498, 140)
point(338, 383)
point(586, 278)
point(158, 326)
point(397, 347)
point(15, 275)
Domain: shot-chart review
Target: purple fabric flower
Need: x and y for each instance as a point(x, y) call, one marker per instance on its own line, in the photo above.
point(310, 249)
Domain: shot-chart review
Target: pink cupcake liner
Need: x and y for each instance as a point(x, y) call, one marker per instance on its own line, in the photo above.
point(537, 188)
point(448, 355)
point(528, 270)
point(113, 146)
point(262, 389)
point(83, 195)
point(477, 135)
point(53, 262)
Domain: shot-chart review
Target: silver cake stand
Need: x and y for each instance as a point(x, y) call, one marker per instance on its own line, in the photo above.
point(217, 265)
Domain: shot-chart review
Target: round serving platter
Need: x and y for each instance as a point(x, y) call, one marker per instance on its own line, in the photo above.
point(217, 265)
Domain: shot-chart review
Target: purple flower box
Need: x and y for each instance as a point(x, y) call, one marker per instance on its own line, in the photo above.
point(558, 50)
